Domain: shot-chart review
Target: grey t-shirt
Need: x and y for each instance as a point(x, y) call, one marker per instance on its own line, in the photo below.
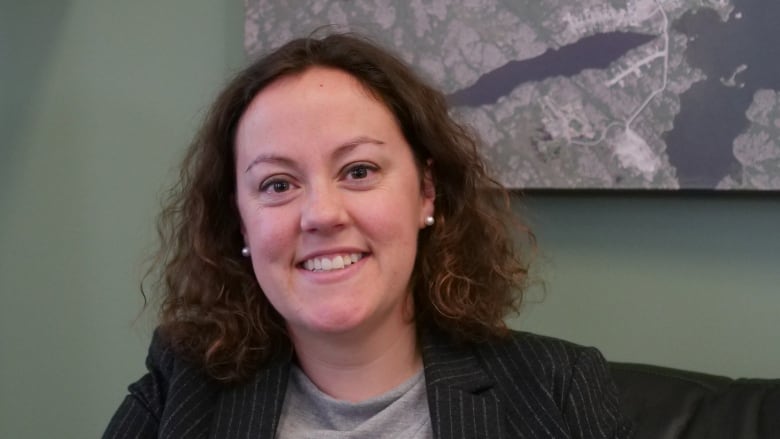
point(309, 413)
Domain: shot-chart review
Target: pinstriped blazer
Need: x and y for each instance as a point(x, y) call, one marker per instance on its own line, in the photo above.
point(527, 386)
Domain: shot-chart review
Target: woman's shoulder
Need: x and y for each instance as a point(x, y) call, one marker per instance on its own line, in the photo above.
point(528, 342)
point(538, 356)
point(170, 385)
point(161, 352)
point(162, 359)
point(539, 359)
point(165, 369)
point(562, 376)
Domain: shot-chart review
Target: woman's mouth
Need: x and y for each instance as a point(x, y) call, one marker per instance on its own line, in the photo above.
point(337, 262)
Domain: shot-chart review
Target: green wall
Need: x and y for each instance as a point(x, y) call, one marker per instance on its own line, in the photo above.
point(685, 281)
point(98, 100)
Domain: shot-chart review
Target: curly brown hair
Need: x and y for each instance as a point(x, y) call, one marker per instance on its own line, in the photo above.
point(468, 274)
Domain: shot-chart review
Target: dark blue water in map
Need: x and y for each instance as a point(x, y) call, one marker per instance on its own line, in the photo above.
point(711, 114)
point(593, 52)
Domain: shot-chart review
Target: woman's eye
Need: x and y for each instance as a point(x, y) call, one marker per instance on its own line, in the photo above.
point(280, 186)
point(275, 186)
point(359, 172)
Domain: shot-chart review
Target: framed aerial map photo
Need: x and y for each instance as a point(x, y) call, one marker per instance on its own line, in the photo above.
point(585, 94)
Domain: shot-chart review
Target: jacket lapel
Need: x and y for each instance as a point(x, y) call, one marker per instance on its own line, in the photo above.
point(461, 395)
point(252, 409)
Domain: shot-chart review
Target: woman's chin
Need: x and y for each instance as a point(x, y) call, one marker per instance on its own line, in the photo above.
point(333, 322)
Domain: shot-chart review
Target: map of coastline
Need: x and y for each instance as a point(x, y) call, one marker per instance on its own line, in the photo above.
point(592, 95)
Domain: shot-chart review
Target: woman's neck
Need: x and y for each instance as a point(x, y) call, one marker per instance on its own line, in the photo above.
point(358, 366)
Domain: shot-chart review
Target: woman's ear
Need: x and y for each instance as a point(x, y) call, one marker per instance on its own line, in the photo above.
point(428, 185)
point(428, 190)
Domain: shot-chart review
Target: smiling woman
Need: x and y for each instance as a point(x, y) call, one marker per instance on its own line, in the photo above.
point(330, 175)
point(337, 262)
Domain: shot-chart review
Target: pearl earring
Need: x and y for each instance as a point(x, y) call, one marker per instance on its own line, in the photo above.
point(245, 251)
point(429, 220)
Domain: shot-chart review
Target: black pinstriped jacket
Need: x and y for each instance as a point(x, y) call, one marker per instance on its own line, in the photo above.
point(528, 386)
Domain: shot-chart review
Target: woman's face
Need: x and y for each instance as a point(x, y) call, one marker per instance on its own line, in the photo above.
point(331, 203)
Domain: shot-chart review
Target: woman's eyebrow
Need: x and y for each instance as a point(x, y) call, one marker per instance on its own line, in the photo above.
point(340, 151)
point(351, 144)
point(272, 159)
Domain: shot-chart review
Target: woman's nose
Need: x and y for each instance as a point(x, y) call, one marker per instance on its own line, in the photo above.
point(323, 209)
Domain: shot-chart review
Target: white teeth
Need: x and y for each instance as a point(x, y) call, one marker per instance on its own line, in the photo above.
point(335, 263)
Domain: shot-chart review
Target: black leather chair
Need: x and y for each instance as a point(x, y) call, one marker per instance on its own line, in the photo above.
point(668, 403)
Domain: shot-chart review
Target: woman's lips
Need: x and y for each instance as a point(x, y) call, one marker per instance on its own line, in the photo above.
point(331, 263)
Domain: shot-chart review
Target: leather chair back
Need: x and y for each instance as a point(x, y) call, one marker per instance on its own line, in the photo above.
point(668, 403)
